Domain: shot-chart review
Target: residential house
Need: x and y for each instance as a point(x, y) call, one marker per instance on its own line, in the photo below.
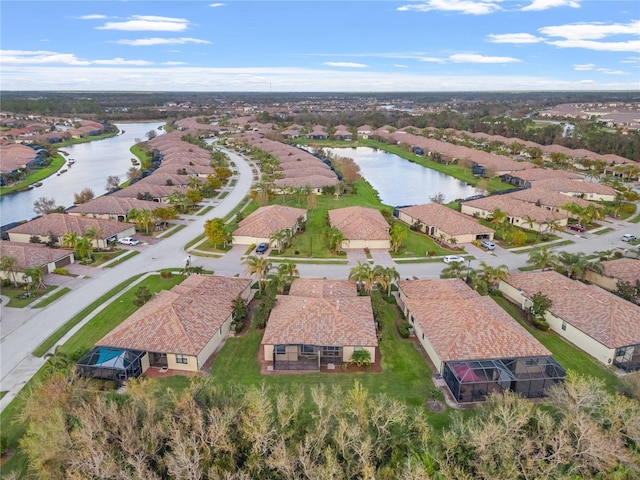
point(475, 345)
point(33, 255)
point(259, 226)
point(625, 270)
point(54, 226)
point(524, 178)
point(112, 208)
point(342, 133)
point(443, 223)
point(320, 325)
point(364, 131)
point(318, 133)
point(574, 188)
point(178, 329)
point(598, 322)
point(361, 227)
point(521, 214)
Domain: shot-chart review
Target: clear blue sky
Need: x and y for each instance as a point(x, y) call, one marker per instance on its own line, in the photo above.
point(301, 46)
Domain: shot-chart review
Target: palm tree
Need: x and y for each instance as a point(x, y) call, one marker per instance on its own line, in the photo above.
point(398, 234)
point(10, 265)
point(289, 269)
point(498, 218)
point(492, 275)
point(35, 276)
point(144, 219)
point(83, 248)
point(258, 266)
point(454, 270)
point(360, 273)
point(390, 275)
point(377, 276)
point(575, 264)
point(542, 259)
point(96, 234)
point(69, 240)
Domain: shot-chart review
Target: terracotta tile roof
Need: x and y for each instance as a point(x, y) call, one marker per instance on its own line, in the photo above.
point(32, 255)
point(161, 176)
point(337, 321)
point(15, 156)
point(573, 186)
point(59, 224)
point(547, 198)
point(322, 287)
point(108, 204)
point(603, 316)
point(267, 220)
point(446, 219)
point(451, 289)
point(468, 326)
point(311, 181)
point(360, 223)
point(625, 269)
point(182, 320)
point(544, 173)
point(156, 191)
point(515, 208)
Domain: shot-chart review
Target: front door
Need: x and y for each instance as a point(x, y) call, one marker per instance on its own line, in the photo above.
point(158, 359)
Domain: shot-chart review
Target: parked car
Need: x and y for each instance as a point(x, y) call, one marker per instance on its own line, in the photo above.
point(576, 227)
point(627, 237)
point(453, 258)
point(129, 241)
point(262, 248)
point(488, 244)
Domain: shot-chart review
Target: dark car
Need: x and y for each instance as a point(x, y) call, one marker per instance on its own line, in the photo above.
point(577, 227)
point(262, 247)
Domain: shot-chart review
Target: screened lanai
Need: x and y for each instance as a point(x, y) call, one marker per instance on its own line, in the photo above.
point(473, 380)
point(111, 364)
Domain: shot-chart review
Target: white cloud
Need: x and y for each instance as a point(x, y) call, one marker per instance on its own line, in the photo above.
point(631, 60)
point(93, 17)
point(630, 46)
point(584, 67)
point(346, 64)
point(546, 4)
point(145, 42)
point(174, 63)
point(43, 57)
point(121, 61)
point(514, 38)
point(475, 58)
point(148, 23)
point(215, 5)
point(398, 65)
point(608, 71)
point(591, 31)
point(469, 7)
point(177, 78)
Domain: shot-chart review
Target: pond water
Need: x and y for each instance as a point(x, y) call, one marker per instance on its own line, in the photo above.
point(94, 162)
point(401, 182)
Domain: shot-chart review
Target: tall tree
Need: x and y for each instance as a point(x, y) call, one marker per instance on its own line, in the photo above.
point(113, 183)
point(542, 258)
point(398, 233)
point(216, 231)
point(258, 267)
point(44, 206)
point(10, 265)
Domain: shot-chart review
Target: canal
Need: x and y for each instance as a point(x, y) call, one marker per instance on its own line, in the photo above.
point(94, 162)
point(401, 182)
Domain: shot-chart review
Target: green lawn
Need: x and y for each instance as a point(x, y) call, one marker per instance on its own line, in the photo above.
point(52, 298)
point(405, 375)
point(123, 258)
point(570, 357)
point(35, 175)
point(205, 210)
point(14, 295)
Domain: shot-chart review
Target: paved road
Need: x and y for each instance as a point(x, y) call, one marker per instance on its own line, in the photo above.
point(18, 365)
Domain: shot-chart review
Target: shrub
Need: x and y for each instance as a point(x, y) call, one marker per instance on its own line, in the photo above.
point(361, 357)
point(61, 271)
point(166, 274)
point(403, 329)
point(540, 324)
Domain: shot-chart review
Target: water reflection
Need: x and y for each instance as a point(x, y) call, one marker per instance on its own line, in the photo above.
point(400, 182)
point(94, 162)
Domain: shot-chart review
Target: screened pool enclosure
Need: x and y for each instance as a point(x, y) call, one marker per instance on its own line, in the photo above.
point(111, 364)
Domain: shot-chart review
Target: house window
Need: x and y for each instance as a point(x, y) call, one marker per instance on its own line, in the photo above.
point(280, 349)
point(564, 325)
point(183, 359)
point(330, 351)
point(307, 349)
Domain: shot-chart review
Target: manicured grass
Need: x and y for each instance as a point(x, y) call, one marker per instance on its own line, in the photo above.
point(205, 210)
point(173, 231)
point(222, 195)
point(16, 302)
point(550, 245)
point(35, 175)
point(53, 297)
point(114, 314)
point(635, 219)
point(102, 257)
point(2, 394)
point(123, 258)
point(603, 231)
point(570, 357)
point(45, 346)
point(405, 375)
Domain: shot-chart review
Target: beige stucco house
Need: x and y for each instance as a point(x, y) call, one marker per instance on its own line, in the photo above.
point(260, 225)
point(321, 323)
point(113, 208)
point(473, 343)
point(33, 255)
point(181, 328)
point(441, 222)
point(625, 270)
point(598, 322)
point(362, 227)
point(59, 224)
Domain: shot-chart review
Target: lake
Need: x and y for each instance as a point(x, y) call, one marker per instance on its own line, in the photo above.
point(401, 182)
point(94, 162)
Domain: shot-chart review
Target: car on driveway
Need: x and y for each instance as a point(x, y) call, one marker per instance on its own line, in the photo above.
point(488, 244)
point(262, 248)
point(627, 237)
point(453, 258)
point(576, 227)
point(129, 241)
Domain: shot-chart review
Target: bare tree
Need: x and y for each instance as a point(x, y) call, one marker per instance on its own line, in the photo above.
point(83, 196)
point(44, 205)
point(113, 183)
